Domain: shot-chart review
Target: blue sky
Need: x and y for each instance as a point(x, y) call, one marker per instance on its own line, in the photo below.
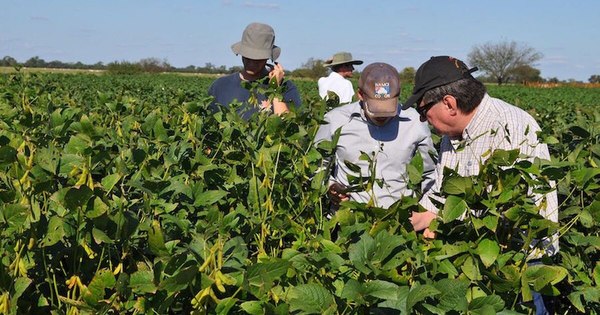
point(402, 33)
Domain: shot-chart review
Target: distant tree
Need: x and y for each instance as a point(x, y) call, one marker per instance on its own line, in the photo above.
point(56, 64)
point(35, 62)
point(8, 61)
point(407, 75)
point(594, 78)
point(235, 69)
point(525, 73)
point(190, 68)
point(499, 60)
point(98, 65)
point(154, 65)
point(553, 80)
point(124, 67)
point(312, 68)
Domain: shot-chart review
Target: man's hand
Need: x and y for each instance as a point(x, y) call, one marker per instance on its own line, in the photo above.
point(421, 220)
point(337, 193)
point(277, 73)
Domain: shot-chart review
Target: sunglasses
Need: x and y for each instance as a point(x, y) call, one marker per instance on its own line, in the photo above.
point(422, 110)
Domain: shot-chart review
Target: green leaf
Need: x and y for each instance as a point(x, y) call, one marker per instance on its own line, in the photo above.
point(99, 208)
point(77, 197)
point(575, 298)
point(360, 253)
point(261, 276)
point(503, 157)
point(353, 167)
point(381, 289)
point(493, 301)
point(160, 132)
point(471, 269)
point(453, 294)
point(419, 293)
point(8, 155)
point(445, 266)
point(109, 181)
point(225, 305)
point(583, 176)
point(457, 185)
point(490, 222)
point(15, 215)
point(454, 208)
point(55, 233)
point(101, 237)
point(20, 286)
point(354, 292)
point(253, 307)
point(488, 250)
point(209, 197)
point(156, 240)
point(311, 298)
point(104, 279)
point(542, 275)
point(179, 281)
point(142, 281)
point(78, 145)
point(415, 169)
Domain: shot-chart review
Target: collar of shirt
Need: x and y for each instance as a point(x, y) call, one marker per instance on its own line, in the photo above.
point(336, 75)
point(476, 127)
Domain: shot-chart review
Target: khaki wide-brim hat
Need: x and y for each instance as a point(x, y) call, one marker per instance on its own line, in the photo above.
point(340, 59)
point(258, 42)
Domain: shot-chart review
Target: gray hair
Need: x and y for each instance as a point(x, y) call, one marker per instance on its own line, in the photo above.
point(468, 93)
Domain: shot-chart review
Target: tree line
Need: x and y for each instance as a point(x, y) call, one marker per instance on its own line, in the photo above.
point(501, 62)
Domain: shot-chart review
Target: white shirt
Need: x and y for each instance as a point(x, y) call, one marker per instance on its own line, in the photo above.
point(495, 125)
point(337, 84)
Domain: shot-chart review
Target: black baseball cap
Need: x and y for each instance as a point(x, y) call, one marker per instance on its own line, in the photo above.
point(437, 71)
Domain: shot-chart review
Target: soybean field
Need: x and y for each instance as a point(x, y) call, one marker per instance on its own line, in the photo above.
point(126, 195)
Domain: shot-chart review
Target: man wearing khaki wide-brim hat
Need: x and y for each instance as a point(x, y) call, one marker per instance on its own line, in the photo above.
point(342, 65)
point(256, 48)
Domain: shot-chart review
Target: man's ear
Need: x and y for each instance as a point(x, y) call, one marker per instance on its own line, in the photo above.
point(450, 104)
point(359, 95)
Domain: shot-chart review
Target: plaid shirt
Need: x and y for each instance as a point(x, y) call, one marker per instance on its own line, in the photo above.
point(495, 125)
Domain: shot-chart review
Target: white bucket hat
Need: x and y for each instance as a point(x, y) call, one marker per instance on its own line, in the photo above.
point(257, 43)
point(341, 58)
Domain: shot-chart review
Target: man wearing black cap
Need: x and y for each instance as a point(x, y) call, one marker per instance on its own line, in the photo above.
point(473, 125)
point(256, 47)
point(375, 125)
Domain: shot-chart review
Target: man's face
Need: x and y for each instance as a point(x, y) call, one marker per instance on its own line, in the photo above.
point(254, 67)
point(345, 70)
point(437, 113)
point(379, 121)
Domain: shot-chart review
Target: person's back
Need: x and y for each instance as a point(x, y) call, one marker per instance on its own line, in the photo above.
point(256, 47)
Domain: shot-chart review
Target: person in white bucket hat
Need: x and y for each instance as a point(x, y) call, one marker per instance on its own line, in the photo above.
point(342, 65)
point(256, 48)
